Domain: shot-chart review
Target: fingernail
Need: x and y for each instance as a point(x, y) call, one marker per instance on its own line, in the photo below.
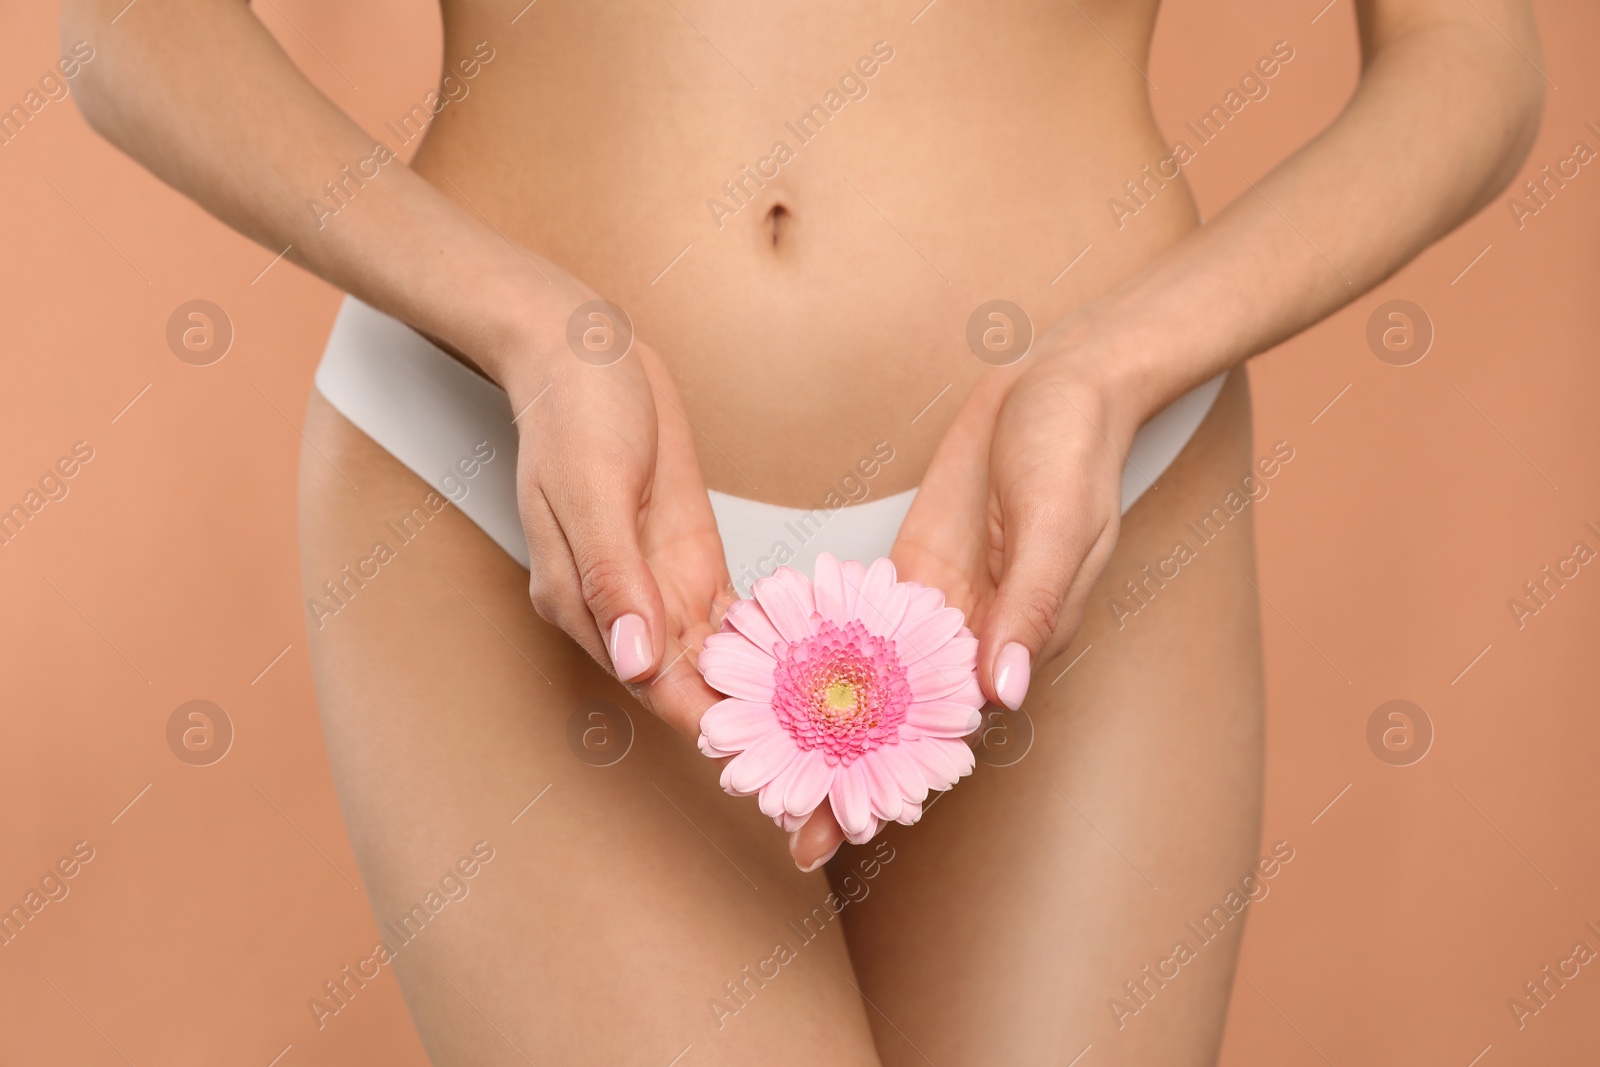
point(1011, 675)
point(819, 861)
point(630, 647)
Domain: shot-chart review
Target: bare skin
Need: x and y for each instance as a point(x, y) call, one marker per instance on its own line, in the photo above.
point(618, 906)
point(772, 355)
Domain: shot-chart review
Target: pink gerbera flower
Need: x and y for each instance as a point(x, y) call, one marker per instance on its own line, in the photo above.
point(856, 689)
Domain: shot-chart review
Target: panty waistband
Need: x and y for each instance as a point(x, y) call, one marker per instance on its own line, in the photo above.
point(453, 429)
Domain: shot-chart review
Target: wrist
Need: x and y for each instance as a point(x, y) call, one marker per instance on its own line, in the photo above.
point(1139, 366)
point(1095, 364)
point(513, 320)
point(496, 305)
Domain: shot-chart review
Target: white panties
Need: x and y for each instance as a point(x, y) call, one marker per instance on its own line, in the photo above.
point(441, 420)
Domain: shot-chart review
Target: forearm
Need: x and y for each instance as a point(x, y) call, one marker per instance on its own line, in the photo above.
point(1443, 116)
point(202, 95)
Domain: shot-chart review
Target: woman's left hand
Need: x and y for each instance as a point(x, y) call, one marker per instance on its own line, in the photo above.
point(1019, 510)
point(1016, 518)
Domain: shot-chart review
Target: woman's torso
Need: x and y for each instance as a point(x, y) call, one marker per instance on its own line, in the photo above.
point(965, 156)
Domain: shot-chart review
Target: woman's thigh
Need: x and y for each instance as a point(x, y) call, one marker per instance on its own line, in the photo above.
point(1013, 917)
point(613, 913)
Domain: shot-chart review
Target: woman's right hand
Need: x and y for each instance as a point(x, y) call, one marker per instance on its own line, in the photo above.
point(623, 546)
point(624, 550)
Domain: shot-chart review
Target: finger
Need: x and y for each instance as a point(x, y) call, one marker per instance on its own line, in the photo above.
point(678, 693)
point(815, 843)
point(944, 539)
point(683, 547)
point(600, 522)
point(553, 585)
point(1048, 545)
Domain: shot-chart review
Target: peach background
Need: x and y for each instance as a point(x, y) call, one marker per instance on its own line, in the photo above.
point(1388, 550)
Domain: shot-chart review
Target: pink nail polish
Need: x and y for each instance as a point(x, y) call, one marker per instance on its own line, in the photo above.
point(629, 644)
point(819, 861)
point(1011, 675)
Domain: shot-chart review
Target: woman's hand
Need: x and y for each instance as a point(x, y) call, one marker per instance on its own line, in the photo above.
point(1019, 510)
point(624, 551)
point(623, 545)
point(1016, 518)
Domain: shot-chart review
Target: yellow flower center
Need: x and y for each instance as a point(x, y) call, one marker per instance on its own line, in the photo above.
point(840, 697)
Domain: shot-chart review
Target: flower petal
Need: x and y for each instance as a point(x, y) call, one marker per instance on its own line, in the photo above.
point(848, 796)
point(852, 573)
point(733, 725)
point(882, 616)
point(926, 599)
point(872, 588)
point(867, 833)
point(910, 814)
point(747, 618)
point(944, 718)
point(737, 668)
point(962, 753)
point(908, 773)
point(927, 631)
point(937, 762)
point(800, 586)
point(940, 673)
point(958, 753)
point(883, 791)
point(759, 764)
point(789, 616)
point(809, 781)
point(970, 693)
point(770, 796)
point(731, 641)
point(828, 589)
point(790, 823)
